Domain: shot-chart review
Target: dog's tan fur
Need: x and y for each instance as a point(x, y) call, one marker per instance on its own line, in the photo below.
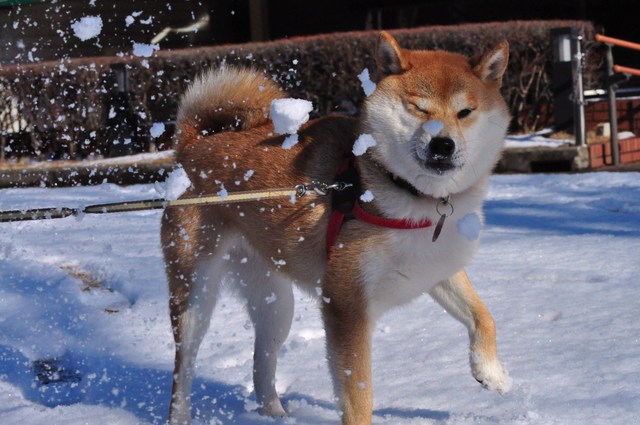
point(260, 247)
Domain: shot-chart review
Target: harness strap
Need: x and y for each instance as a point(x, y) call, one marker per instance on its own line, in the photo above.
point(346, 206)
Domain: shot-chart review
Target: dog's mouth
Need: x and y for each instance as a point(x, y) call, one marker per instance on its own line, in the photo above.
point(440, 166)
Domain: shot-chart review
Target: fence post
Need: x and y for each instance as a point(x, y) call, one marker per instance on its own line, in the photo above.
point(577, 58)
point(613, 116)
point(568, 110)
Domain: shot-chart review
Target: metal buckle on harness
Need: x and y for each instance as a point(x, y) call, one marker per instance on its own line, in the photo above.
point(320, 188)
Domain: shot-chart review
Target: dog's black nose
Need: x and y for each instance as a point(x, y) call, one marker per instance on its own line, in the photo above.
point(441, 148)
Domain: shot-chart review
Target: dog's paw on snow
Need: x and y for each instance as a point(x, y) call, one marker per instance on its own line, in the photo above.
point(273, 408)
point(490, 373)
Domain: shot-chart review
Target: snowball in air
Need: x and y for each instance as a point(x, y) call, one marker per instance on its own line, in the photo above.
point(157, 129)
point(144, 50)
point(363, 142)
point(289, 114)
point(290, 141)
point(469, 226)
point(367, 196)
point(433, 127)
point(367, 85)
point(87, 27)
point(176, 184)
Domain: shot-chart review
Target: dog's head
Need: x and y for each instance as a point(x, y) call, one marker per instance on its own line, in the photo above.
point(438, 118)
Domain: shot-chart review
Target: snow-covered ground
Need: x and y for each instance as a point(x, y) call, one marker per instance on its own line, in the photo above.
point(558, 267)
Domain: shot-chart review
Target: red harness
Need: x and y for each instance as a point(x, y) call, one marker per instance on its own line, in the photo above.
point(346, 206)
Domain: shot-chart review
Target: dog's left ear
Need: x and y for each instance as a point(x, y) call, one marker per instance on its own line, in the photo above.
point(491, 67)
point(390, 58)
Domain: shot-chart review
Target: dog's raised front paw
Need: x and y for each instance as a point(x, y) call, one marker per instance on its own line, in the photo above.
point(490, 373)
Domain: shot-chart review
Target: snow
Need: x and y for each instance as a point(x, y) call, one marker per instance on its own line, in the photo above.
point(368, 86)
point(367, 196)
point(157, 129)
point(144, 50)
point(176, 184)
point(289, 114)
point(433, 127)
point(290, 141)
point(248, 175)
point(469, 226)
point(538, 139)
point(87, 27)
point(557, 266)
point(362, 143)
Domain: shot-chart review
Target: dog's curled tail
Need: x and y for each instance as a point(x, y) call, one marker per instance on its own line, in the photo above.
point(225, 99)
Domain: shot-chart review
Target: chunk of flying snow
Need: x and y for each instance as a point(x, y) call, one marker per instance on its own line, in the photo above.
point(87, 27)
point(367, 196)
point(433, 127)
point(363, 142)
point(290, 141)
point(271, 298)
point(144, 50)
point(367, 85)
point(157, 129)
point(177, 183)
point(469, 226)
point(289, 114)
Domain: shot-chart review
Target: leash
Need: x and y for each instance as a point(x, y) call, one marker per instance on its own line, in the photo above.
point(345, 205)
point(297, 192)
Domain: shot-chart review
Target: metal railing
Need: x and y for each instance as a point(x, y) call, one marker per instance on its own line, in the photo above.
point(612, 83)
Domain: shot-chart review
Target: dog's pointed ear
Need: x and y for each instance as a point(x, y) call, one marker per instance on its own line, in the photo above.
point(491, 67)
point(390, 58)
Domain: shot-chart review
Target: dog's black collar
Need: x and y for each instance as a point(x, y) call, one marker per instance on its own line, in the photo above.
point(403, 184)
point(397, 180)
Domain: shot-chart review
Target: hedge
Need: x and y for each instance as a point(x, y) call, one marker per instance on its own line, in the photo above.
point(67, 105)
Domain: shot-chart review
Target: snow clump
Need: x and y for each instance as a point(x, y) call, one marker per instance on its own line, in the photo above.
point(367, 85)
point(290, 141)
point(469, 226)
point(289, 114)
point(363, 142)
point(433, 127)
point(367, 196)
point(177, 183)
point(144, 50)
point(87, 27)
point(157, 129)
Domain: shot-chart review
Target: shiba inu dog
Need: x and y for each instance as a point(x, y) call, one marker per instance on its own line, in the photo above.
point(438, 123)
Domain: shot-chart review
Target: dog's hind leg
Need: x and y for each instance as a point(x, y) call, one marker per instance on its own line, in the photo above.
point(190, 321)
point(193, 261)
point(460, 299)
point(270, 305)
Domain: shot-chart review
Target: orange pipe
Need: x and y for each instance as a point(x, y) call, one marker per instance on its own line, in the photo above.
point(625, 70)
point(617, 42)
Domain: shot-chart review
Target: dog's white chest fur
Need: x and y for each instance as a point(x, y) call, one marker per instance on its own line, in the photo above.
point(410, 263)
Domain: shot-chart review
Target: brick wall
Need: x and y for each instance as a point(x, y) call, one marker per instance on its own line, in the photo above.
point(600, 153)
point(628, 115)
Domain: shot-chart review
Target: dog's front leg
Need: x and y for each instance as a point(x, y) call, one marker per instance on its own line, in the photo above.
point(349, 349)
point(460, 299)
